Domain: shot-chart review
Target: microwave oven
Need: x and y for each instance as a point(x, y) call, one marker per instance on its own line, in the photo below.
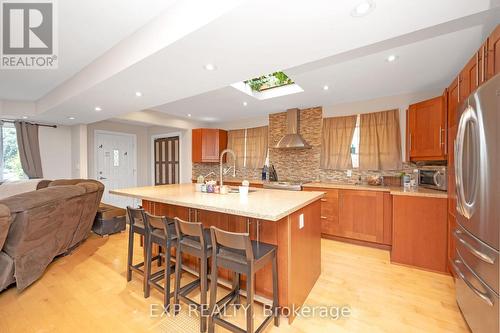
point(433, 177)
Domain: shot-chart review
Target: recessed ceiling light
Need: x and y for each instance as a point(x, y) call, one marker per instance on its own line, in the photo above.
point(210, 67)
point(138, 94)
point(71, 118)
point(25, 117)
point(189, 115)
point(245, 103)
point(391, 58)
point(98, 108)
point(363, 8)
point(325, 87)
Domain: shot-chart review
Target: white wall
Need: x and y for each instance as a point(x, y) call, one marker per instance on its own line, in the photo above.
point(55, 151)
point(79, 163)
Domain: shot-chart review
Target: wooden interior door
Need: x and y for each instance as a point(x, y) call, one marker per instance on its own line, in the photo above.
point(361, 215)
point(166, 156)
point(427, 130)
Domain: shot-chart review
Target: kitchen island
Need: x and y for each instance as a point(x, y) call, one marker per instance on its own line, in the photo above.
point(288, 219)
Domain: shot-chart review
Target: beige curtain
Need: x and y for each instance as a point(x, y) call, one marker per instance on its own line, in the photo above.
point(29, 149)
point(236, 142)
point(380, 141)
point(256, 147)
point(336, 142)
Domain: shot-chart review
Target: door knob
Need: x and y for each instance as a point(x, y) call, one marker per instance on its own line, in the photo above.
point(102, 178)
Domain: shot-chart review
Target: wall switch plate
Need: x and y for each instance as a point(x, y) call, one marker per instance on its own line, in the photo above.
point(349, 173)
point(301, 221)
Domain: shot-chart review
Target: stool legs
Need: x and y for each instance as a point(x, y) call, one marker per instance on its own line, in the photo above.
point(203, 295)
point(130, 253)
point(213, 295)
point(147, 266)
point(250, 296)
point(275, 291)
point(178, 268)
point(236, 288)
point(168, 271)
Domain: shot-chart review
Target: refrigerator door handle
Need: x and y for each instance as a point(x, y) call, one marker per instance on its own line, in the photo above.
point(483, 296)
point(480, 255)
point(466, 207)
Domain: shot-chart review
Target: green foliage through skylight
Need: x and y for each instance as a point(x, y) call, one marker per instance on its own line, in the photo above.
point(269, 81)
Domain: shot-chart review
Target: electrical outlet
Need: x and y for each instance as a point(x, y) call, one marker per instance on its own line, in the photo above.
point(301, 221)
point(349, 173)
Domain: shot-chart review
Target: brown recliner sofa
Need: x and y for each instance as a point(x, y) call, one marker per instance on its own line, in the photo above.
point(37, 226)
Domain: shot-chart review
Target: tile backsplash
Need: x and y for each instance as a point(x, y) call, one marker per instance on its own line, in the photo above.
point(301, 164)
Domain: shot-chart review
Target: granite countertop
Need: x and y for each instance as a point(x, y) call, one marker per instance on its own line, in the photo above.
point(263, 204)
point(419, 191)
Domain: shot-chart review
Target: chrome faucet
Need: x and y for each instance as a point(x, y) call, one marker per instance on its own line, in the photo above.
point(222, 172)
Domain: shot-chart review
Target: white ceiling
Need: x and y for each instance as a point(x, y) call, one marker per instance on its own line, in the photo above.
point(424, 66)
point(87, 29)
point(317, 42)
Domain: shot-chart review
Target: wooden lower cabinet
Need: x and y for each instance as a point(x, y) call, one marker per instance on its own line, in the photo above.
point(420, 232)
point(356, 215)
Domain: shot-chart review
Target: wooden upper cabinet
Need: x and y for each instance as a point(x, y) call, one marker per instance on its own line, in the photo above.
point(207, 144)
point(426, 130)
point(493, 54)
point(469, 77)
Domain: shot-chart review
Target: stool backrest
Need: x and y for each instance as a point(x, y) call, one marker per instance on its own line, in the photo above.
point(135, 215)
point(152, 222)
point(231, 240)
point(193, 229)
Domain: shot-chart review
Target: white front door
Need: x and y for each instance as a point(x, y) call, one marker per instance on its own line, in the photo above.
point(115, 156)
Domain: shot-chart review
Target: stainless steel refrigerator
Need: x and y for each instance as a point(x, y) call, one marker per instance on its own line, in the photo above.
point(477, 172)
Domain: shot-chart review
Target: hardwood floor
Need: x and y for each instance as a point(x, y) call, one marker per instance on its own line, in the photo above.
point(87, 292)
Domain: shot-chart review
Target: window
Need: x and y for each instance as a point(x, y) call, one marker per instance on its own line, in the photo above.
point(355, 145)
point(249, 145)
point(10, 164)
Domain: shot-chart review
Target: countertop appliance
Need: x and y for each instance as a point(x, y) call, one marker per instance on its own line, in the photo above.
point(289, 186)
point(433, 177)
point(476, 260)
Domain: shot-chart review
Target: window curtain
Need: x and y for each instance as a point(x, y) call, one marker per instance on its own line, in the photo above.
point(336, 142)
point(236, 142)
point(256, 147)
point(380, 141)
point(29, 149)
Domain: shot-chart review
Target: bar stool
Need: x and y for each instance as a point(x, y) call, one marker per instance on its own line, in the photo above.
point(192, 239)
point(160, 230)
point(136, 221)
point(236, 252)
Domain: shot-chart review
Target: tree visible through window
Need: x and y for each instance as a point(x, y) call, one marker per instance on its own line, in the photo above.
point(10, 164)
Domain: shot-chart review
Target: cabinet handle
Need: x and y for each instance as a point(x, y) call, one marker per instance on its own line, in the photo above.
point(323, 217)
point(411, 147)
point(458, 88)
point(477, 68)
point(485, 55)
point(323, 200)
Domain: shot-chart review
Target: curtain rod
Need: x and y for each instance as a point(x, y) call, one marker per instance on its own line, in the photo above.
point(43, 125)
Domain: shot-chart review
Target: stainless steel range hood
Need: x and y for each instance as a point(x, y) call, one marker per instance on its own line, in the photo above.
point(292, 138)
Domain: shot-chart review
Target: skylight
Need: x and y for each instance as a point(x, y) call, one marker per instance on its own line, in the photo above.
point(269, 81)
point(268, 86)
